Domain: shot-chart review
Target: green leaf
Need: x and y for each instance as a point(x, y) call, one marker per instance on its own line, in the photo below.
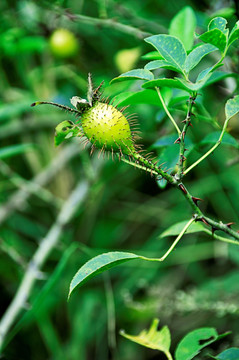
point(197, 55)
point(171, 83)
point(157, 64)
point(192, 86)
point(234, 35)
point(152, 55)
point(170, 48)
point(183, 26)
point(232, 107)
point(152, 338)
point(65, 130)
point(140, 97)
point(229, 354)
point(12, 150)
point(215, 77)
point(178, 227)
point(138, 74)
point(215, 37)
point(194, 342)
point(218, 23)
point(98, 265)
point(213, 137)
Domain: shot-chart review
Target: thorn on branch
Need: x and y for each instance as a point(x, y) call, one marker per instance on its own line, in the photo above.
point(177, 141)
point(196, 199)
point(205, 221)
point(229, 224)
point(182, 188)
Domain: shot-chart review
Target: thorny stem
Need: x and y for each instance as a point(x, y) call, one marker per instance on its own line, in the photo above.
point(167, 111)
point(181, 139)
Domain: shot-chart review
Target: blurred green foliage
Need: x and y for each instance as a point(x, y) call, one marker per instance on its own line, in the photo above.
point(125, 209)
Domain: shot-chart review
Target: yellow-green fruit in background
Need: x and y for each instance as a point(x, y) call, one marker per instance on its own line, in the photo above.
point(126, 59)
point(63, 43)
point(108, 129)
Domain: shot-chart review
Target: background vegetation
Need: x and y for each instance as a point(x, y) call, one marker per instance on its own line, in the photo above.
point(114, 206)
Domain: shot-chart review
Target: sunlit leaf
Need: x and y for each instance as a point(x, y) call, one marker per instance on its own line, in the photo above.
point(170, 48)
point(184, 30)
point(152, 338)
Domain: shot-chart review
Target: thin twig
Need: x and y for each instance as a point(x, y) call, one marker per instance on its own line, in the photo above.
point(167, 111)
point(210, 150)
point(112, 24)
point(47, 244)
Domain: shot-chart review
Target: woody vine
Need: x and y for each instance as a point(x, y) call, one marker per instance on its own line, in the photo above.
point(109, 129)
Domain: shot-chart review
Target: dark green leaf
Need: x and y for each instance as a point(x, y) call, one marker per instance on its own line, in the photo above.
point(232, 107)
point(197, 55)
point(170, 48)
point(213, 137)
point(234, 35)
point(171, 83)
point(138, 74)
point(215, 37)
point(194, 342)
point(9, 151)
point(98, 265)
point(152, 338)
point(140, 97)
point(229, 354)
point(184, 30)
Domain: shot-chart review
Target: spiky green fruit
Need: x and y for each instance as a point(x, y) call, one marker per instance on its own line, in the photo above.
point(107, 128)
